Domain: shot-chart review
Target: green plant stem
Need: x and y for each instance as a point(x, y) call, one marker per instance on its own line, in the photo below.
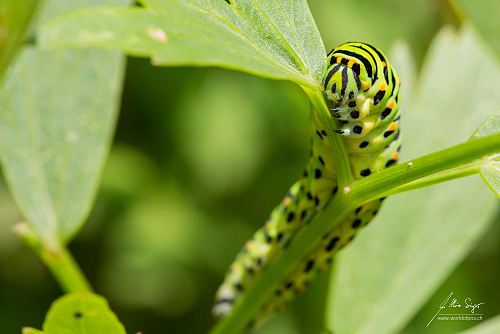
point(437, 178)
point(65, 270)
point(58, 259)
point(456, 10)
point(448, 159)
point(339, 208)
point(337, 143)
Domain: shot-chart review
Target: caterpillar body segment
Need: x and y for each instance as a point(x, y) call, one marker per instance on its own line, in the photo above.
point(363, 90)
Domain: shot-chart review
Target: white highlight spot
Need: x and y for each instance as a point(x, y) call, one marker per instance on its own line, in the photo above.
point(158, 35)
point(21, 228)
point(72, 136)
point(410, 164)
point(365, 108)
point(346, 190)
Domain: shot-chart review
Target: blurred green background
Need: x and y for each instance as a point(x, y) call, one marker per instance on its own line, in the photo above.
point(180, 196)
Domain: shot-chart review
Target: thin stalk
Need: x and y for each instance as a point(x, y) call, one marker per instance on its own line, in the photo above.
point(437, 178)
point(456, 10)
point(59, 260)
point(450, 158)
point(337, 143)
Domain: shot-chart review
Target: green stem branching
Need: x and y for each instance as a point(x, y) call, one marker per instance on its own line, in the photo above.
point(58, 259)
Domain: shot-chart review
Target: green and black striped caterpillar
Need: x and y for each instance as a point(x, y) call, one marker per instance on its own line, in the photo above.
point(364, 92)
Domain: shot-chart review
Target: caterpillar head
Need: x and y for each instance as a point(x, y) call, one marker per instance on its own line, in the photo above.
point(341, 84)
point(343, 89)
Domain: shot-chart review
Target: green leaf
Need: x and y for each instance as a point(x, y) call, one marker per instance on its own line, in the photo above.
point(273, 39)
point(490, 127)
point(80, 313)
point(55, 135)
point(490, 170)
point(484, 15)
point(490, 326)
point(15, 17)
point(425, 233)
point(491, 175)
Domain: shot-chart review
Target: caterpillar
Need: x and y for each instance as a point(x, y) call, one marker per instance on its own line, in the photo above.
point(364, 92)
